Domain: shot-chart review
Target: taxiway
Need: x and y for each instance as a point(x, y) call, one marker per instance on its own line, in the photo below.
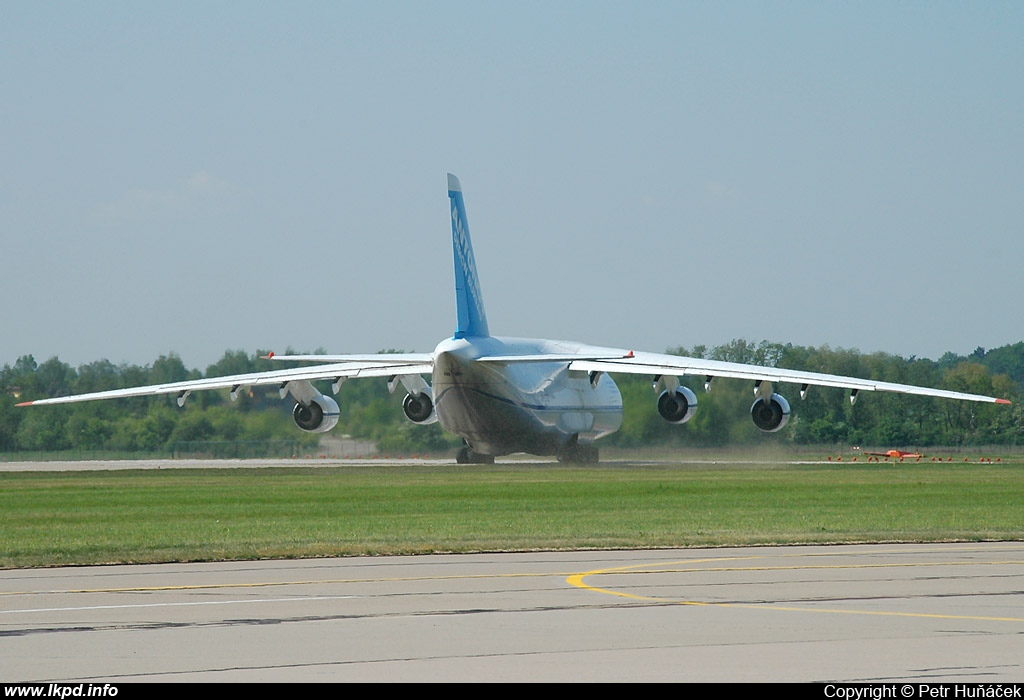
point(920, 613)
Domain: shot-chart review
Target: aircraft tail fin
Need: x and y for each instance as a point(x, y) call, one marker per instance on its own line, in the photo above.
point(472, 321)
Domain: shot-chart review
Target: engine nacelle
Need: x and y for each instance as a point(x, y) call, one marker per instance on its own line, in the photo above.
point(771, 415)
point(419, 408)
point(677, 406)
point(319, 416)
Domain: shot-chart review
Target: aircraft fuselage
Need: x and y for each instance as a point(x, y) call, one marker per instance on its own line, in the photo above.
point(536, 407)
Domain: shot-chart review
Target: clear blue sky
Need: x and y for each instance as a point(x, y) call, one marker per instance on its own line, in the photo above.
point(194, 177)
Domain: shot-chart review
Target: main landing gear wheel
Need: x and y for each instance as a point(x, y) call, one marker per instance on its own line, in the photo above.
point(468, 456)
point(576, 453)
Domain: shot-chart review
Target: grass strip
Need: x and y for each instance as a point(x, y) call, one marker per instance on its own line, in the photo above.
point(62, 518)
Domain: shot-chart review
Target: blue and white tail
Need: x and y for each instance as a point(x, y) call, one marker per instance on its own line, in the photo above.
point(469, 303)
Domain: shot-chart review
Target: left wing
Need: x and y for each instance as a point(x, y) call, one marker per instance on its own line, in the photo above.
point(340, 367)
point(628, 362)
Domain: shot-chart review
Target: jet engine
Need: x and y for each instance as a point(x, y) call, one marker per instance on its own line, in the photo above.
point(770, 415)
point(677, 406)
point(419, 408)
point(318, 416)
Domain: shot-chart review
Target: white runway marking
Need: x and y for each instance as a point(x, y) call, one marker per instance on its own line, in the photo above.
point(128, 606)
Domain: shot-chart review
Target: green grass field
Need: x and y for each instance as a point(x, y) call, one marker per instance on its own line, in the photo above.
point(51, 518)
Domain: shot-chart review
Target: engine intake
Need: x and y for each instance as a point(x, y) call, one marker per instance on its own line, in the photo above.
point(677, 406)
point(771, 415)
point(318, 416)
point(419, 408)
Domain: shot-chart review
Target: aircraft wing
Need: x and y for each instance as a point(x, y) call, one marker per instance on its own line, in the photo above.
point(381, 358)
point(628, 362)
point(343, 366)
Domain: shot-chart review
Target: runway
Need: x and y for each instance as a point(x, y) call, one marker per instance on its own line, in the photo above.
point(867, 613)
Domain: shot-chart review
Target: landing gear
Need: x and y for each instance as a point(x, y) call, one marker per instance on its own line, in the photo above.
point(467, 456)
point(578, 453)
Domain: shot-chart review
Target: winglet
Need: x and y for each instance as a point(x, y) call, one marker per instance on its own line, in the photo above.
point(472, 321)
point(1006, 401)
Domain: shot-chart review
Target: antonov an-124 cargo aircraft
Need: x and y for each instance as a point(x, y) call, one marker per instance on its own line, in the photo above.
point(505, 395)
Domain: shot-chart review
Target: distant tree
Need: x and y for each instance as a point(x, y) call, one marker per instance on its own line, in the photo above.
point(52, 378)
point(763, 353)
point(167, 369)
point(192, 426)
point(83, 431)
point(1008, 360)
point(25, 366)
point(10, 419)
point(233, 362)
point(42, 430)
point(100, 375)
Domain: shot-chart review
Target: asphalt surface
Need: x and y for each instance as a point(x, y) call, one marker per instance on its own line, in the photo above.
point(924, 613)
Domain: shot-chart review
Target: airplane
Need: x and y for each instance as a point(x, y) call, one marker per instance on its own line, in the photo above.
point(895, 454)
point(510, 395)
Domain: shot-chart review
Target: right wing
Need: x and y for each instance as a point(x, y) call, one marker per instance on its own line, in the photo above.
point(591, 359)
point(653, 363)
point(339, 367)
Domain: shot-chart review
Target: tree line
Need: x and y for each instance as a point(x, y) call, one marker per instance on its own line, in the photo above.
point(368, 411)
